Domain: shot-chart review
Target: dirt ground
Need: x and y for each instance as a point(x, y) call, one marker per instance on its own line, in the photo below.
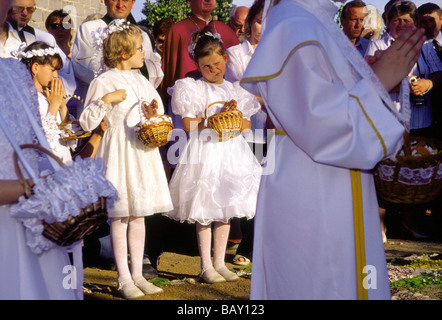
point(182, 271)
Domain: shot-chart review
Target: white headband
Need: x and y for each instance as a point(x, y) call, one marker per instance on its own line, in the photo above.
point(192, 45)
point(100, 34)
point(21, 54)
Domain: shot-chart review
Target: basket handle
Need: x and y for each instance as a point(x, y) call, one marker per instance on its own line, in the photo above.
point(216, 102)
point(23, 181)
point(407, 147)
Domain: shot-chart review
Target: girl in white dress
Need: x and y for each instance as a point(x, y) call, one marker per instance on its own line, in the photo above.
point(53, 110)
point(214, 181)
point(135, 170)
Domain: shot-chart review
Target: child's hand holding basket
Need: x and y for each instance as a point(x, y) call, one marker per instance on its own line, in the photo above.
point(154, 129)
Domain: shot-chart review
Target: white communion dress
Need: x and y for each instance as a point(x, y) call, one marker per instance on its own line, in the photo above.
point(134, 169)
point(214, 180)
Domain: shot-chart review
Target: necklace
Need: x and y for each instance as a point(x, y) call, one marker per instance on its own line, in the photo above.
point(199, 29)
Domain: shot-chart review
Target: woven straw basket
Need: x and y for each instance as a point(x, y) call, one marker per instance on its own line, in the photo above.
point(227, 123)
point(402, 186)
point(74, 228)
point(71, 134)
point(155, 134)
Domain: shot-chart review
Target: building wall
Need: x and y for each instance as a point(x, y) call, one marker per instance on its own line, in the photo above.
point(78, 9)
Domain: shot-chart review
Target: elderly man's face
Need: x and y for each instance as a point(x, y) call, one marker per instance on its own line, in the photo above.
point(238, 21)
point(21, 11)
point(119, 9)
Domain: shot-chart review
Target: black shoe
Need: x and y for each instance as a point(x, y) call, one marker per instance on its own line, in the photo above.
point(149, 272)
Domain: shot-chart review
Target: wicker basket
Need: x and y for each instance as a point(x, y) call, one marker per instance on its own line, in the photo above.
point(155, 135)
point(227, 123)
point(74, 228)
point(71, 135)
point(411, 179)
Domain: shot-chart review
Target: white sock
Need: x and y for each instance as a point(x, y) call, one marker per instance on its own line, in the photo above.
point(118, 233)
point(136, 236)
point(220, 237)
point(204, 236)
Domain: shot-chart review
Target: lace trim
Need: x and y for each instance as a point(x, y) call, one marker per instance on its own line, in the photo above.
point(418, 176)
point(61, 194)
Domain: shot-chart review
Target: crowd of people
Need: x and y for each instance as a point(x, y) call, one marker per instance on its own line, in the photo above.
point(289, 68)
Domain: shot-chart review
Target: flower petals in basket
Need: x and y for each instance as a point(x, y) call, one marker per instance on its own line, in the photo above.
point(65, 206)
point(72, 130)
point(415, 176)
point(154, 130)
point(228, 122)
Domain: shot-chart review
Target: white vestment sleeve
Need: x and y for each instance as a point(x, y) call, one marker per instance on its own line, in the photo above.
point(153, 62)
point(85, 59)
point(332, 124)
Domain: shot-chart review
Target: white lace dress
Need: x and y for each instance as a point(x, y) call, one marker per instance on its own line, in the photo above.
point(134, 169)
point(213, 181)
point(60, 148)
point(24, 274)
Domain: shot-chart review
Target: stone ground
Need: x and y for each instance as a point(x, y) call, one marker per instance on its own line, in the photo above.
point(181, 274)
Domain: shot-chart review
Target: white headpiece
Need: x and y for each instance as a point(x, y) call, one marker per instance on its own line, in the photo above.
point(100, 34)
point(21, 54)
point(192, 45)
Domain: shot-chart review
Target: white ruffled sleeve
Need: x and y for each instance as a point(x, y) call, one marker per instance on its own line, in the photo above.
point(95, 109)
point(247, 103)
point(188, 98)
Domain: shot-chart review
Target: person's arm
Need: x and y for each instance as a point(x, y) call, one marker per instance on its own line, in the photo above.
point(10, 191)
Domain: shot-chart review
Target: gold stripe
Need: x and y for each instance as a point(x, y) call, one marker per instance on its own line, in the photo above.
point(378, 134)
point(358, 221)
point(280, 132)
point(261, 78)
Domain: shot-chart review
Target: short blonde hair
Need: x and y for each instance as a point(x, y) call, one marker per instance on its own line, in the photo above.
point(119, 42)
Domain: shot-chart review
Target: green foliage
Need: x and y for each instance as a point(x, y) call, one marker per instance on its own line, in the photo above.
point(419, 282)
point(180, 9)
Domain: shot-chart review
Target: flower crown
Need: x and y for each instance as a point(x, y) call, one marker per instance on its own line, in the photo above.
point(20, 53)
point(100, 34)
point(192, 45)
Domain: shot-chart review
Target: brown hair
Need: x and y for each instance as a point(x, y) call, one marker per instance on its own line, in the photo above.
point(118, 43)
point(205, 44)
point(255, 9)
point(42, 60)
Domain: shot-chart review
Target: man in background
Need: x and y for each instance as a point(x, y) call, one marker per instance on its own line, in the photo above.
point(237, 20)
point(352, 21)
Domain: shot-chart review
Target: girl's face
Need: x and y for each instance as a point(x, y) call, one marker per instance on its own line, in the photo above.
point(255, 29)
point(137, 59)
point(399, 24)
point(44, 73)
point(213, 67)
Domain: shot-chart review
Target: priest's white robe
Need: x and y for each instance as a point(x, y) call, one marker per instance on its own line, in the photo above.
point(317, 228)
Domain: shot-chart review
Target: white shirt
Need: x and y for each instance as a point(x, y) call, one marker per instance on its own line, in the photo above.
point(428, 62)
point(239, 57)
point(88, 62)
point(12, 43)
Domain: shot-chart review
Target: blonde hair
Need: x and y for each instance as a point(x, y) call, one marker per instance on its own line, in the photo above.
point(118, 43)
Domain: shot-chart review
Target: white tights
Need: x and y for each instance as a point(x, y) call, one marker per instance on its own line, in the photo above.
point(128, 232)
point(220, 238)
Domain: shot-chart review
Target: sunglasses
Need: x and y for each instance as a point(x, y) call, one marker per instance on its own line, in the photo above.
point(22, 9)
point(55, 26)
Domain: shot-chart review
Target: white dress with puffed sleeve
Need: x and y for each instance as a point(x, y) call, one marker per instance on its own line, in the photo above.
point(214, 180)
